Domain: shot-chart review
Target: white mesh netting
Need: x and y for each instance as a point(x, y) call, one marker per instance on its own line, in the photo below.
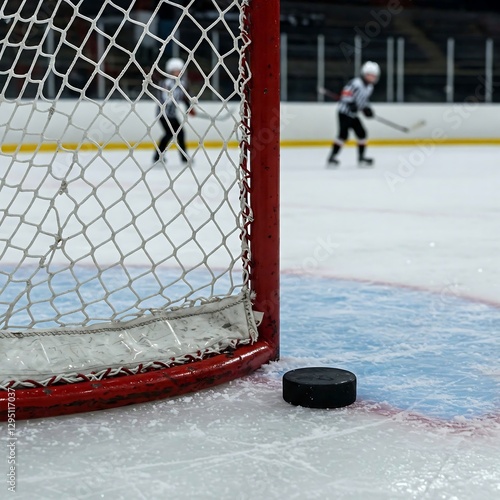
point(104, 233)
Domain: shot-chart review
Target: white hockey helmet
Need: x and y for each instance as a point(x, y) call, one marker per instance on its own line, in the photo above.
point(174, 64)
point(370, 68)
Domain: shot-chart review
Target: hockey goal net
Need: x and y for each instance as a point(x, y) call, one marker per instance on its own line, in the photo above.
point(134, 268)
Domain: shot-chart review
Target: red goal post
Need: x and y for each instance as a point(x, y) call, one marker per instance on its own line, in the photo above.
point(259, 168)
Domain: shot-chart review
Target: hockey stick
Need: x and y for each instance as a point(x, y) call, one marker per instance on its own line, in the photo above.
point(385, 121)
point(391, 124)
point(406, 130)
point(220, 117)
point(417, 125)
point(328, 93)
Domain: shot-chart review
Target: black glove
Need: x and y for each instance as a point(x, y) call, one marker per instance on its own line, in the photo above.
point(353, 107)
point(368, 112)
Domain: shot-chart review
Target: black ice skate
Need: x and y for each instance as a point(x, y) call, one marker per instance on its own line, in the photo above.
point(333, 162)
point(159, 160)
point(365, 162)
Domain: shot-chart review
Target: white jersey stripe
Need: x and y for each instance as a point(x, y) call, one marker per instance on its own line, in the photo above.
point(355, 96)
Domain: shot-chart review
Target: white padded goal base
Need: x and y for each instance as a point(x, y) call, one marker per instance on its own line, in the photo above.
point(158, 340)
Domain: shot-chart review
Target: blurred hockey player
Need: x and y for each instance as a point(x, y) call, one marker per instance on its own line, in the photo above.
point(174, 91)
point(355, 97)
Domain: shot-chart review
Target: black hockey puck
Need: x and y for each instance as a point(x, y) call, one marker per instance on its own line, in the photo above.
point(319, 387)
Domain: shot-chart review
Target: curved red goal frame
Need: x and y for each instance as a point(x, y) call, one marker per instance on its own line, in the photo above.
point(264, 103)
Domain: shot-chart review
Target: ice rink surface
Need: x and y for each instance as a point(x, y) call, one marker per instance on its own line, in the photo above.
point(390, 272)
